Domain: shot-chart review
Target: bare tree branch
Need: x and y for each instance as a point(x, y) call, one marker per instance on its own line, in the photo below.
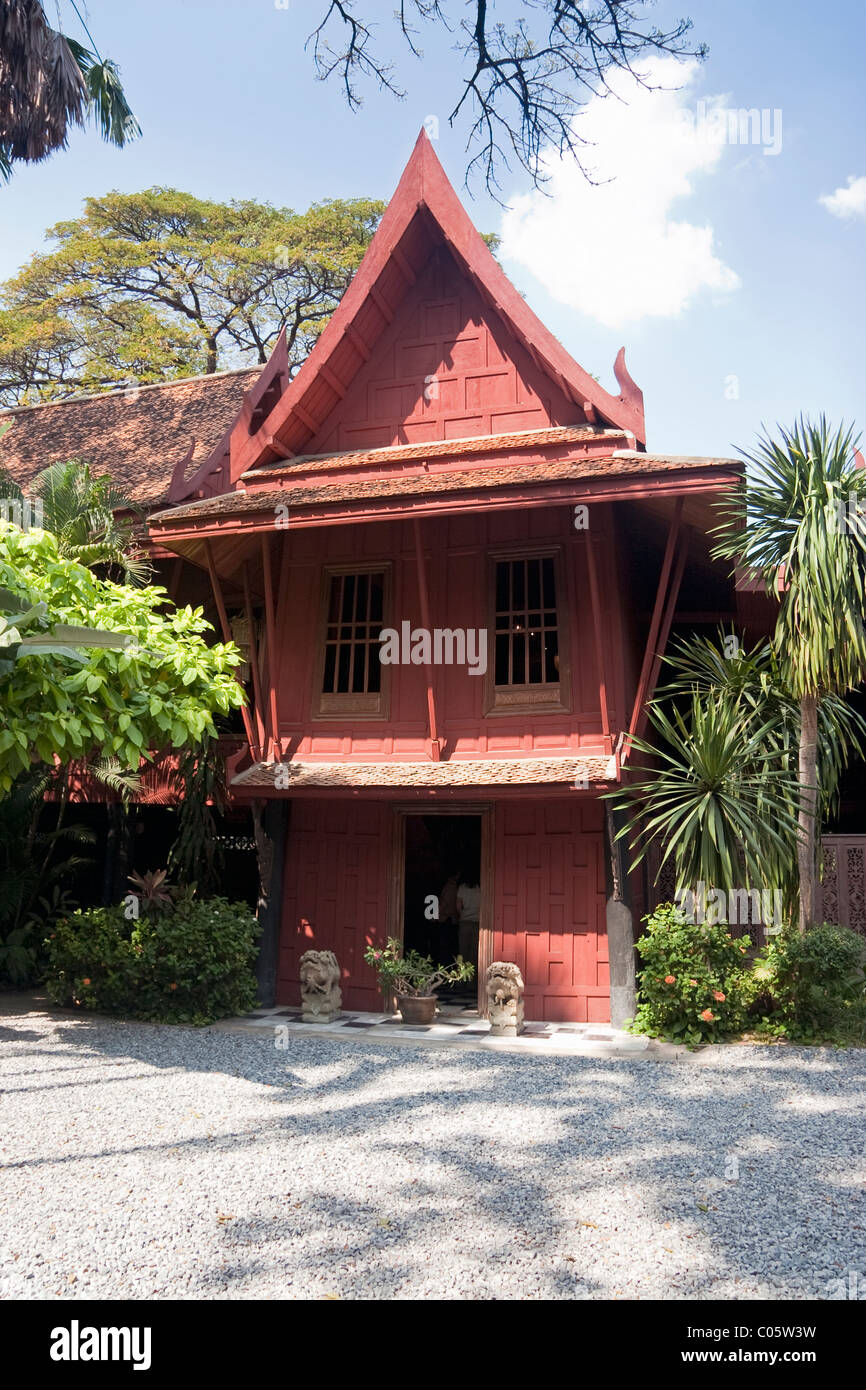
point(523, 82)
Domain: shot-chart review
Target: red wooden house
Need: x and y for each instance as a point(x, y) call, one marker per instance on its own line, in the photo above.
point(441, 470)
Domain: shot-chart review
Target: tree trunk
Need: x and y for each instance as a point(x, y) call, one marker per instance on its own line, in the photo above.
point(807, 846)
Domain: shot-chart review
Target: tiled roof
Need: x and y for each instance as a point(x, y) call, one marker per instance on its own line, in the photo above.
point(621, 464)
point(439, 448)
point(458, 772)
point(137, 435)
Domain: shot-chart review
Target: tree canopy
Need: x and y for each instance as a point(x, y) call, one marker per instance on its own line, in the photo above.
point(150, 286)
point(161, 691)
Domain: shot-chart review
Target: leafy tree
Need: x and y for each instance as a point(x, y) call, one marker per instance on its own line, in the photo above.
point(49, 81)
point(799, 522)
point(87, 515)
point(161, 690)
point(523, 79)
point(150, 286)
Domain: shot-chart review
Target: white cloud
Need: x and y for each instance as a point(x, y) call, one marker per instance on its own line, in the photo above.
point(611, 249)
point(849, 201)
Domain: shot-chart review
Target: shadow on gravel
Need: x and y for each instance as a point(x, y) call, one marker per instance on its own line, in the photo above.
point(745, 1168)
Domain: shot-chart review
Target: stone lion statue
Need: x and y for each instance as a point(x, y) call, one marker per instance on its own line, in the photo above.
point(505, 998)
point(321, 1000)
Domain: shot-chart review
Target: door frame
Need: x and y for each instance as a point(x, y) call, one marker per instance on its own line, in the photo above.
point(397, 877)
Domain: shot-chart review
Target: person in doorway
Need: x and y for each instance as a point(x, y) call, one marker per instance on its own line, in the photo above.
point(448, 919)
point(469, 908)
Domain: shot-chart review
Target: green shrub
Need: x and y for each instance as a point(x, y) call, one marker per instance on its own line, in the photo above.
point(192, 965)
point(816, 983)
point(695, 985)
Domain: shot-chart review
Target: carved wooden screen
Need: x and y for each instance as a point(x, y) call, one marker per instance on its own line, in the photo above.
point(844, 880)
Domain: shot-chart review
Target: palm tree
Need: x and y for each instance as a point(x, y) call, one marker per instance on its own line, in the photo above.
point(718, 796)
point(86, 514)
point(798, 521)
point(49, 81)
point(721, 793)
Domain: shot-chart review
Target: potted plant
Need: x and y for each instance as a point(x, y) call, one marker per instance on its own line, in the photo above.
point(414, 978)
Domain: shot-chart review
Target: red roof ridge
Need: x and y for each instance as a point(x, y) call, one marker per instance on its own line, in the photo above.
point(125, 390)
point(439, 448)
point(424, 187)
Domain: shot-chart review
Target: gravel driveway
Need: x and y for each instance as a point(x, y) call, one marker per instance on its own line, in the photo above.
point(146, 1162)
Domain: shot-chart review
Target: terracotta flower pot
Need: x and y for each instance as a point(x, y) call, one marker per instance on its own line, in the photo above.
point(417, 1008)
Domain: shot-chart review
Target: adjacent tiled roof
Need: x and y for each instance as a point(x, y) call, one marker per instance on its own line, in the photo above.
point(136, 435)
point(439, 448)
point(474, 772)
point(623, 463)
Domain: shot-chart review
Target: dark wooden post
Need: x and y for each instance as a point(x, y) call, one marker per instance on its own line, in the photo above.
point(271, 826)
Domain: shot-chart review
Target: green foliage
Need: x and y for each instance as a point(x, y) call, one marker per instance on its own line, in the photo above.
point(720, 799)
point(196, 855)
point(413, 974)
point(783, 524)
point(35, 864)
point(149, 286)
point(721, 791)
point(84, 512)
point(695, 985)
point(798, 521)
point(816, 982)
point(752, 680)
point(191, 965)
point(159, 692)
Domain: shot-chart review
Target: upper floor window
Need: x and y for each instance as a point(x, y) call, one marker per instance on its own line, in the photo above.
point(528, 656)
point(351, 673)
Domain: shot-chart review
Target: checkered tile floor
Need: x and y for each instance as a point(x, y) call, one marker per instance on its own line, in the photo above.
point(453, 1024)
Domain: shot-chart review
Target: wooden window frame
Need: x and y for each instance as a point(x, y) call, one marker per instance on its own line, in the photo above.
point(501, 701)
point(337, 706)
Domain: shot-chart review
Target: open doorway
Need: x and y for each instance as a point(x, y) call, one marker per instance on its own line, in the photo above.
point(444, 893)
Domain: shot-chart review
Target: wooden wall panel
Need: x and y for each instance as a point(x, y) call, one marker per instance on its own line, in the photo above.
point(457, 555)
point(446, 368)
point(549, 906)
point(336, 884)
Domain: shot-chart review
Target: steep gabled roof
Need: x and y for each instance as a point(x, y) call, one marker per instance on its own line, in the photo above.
point(423, 217)
point(140, 436)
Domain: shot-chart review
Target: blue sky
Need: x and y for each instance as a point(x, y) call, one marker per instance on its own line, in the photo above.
point(737, 292)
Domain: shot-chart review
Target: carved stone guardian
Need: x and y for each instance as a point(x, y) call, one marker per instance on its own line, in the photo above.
point(321, 1000)
point(504, 999)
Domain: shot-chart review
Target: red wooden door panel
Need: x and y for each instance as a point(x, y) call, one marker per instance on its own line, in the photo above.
point(549, 907)
point(336, 891)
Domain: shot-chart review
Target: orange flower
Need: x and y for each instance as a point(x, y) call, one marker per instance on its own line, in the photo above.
point(670, 979)
point(742, 950)
point(172, 986)
point(693, 982)
point(85, 981)
point(708, 1016)
point(717, 994)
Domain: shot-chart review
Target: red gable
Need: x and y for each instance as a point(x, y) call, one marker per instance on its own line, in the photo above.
point(430, 342)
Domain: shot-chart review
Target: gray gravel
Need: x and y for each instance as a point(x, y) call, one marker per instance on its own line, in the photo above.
point(145, 1162)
